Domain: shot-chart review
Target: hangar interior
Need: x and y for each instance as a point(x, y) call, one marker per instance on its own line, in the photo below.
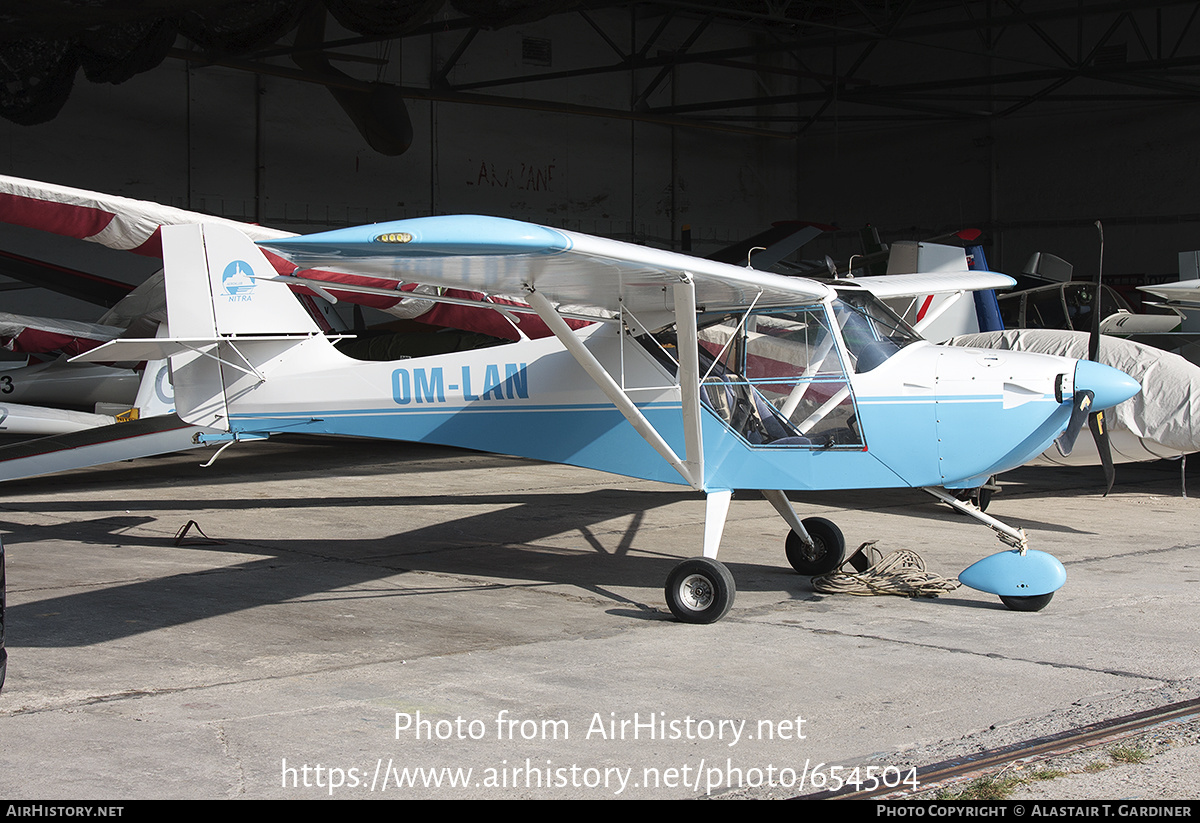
point(630, 120)
point(478, 585)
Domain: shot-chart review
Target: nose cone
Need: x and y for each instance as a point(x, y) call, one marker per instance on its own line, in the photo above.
point(1108, 384)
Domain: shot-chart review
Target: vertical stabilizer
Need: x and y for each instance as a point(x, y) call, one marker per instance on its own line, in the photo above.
point(244, 298)
point(195, 374)
point(219, 288)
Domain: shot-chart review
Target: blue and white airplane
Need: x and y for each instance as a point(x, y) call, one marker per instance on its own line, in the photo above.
point(661, 366)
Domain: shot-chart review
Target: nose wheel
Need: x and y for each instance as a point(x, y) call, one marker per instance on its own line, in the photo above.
point(1026, 603)
point(700, 590)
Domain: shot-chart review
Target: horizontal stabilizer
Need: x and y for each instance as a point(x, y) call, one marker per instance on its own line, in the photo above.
point(130, 350)
point(93, 447)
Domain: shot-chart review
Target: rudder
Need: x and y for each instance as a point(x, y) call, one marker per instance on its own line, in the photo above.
point(219, 287)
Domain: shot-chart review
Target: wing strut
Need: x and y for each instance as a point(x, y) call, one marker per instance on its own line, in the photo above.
point(688, 346)
point(615, 393)
point(927, 321)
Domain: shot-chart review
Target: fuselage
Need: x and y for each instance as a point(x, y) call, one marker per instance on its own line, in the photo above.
point(795, 410)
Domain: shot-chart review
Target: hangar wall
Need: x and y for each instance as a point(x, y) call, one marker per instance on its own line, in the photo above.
point(1034, 183)
point(281, 152)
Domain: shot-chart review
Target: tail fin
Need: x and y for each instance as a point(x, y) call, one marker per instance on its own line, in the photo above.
point(217, 266)
point(219, 287)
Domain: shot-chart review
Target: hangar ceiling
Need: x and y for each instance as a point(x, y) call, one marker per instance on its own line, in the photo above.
point(806, 64)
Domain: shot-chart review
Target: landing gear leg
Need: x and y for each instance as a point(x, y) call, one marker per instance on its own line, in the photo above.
point(1010, 574)
point(981, 496)
point(1007, 534)
point(701, 589)
point(815, 545)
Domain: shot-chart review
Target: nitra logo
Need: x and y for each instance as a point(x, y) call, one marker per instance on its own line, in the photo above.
point(237, 280)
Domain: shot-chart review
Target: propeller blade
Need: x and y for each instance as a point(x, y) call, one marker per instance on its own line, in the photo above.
point(1100, 435)
point(1096, 421)
point(1079, 414)
point(1094, 338)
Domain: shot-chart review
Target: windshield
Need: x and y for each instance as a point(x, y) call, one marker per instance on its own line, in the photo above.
point(872, 331)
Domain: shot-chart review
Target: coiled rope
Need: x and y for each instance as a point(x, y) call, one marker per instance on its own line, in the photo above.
point(869, 572)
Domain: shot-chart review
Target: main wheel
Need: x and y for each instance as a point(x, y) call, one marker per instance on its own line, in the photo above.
point(1030, 603)
point(700, 590)
point(828, 551)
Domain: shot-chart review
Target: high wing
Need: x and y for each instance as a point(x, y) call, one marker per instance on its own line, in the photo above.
point(1183, 293)
point(502, 257)
point(891, 286)
point(108, 219)
point(24, 334)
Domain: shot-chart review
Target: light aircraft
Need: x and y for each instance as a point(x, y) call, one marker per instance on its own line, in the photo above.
point(1068, 305)
point(681, 370)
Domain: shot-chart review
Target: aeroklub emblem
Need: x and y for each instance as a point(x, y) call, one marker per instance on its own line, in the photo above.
point(237, 280)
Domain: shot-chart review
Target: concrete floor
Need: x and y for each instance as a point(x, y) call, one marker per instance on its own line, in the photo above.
point(376, 608)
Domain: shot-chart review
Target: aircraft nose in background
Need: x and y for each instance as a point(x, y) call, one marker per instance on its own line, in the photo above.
point(1109, 385)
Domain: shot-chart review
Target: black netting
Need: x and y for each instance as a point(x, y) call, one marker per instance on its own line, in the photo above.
point(114, 53)
point(240, 27)
point(36, 75)
point(382, 18)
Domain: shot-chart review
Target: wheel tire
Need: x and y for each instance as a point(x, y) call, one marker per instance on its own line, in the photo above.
point(983, 499)
point(1033, 603)
point(831, 547)
point(700, 590)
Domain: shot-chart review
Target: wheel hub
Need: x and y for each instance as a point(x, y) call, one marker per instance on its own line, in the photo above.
point(814, 552)
point(696, 591)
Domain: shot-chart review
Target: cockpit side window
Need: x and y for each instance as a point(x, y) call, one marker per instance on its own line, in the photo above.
point(777, 378)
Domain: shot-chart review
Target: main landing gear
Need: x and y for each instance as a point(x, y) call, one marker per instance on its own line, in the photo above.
point(701, 589)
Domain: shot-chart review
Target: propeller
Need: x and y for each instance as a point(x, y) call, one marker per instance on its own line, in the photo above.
point(1083, 398)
